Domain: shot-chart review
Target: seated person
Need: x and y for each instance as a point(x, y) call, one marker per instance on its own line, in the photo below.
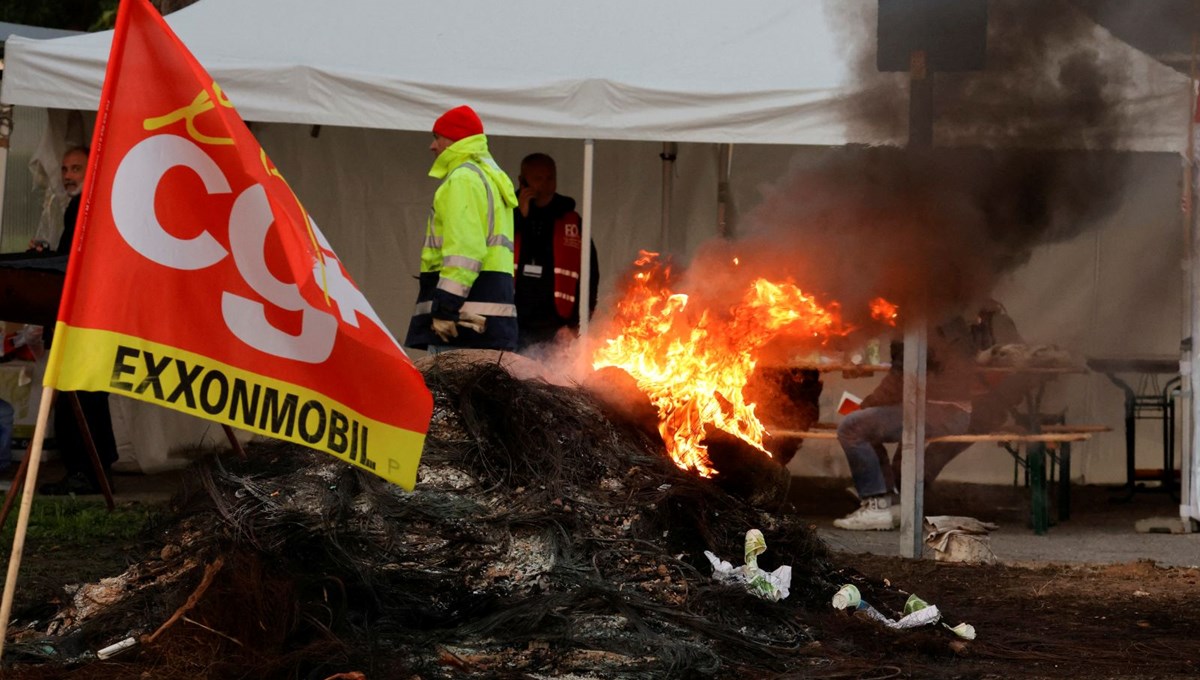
point(954, 405)
point(14, 346)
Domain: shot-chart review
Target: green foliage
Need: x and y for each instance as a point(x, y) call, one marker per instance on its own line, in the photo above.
point(107, 18)
point(71, 521)
point(75, 15)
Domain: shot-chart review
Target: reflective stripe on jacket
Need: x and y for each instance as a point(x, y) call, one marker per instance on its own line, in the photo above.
point(467, 257)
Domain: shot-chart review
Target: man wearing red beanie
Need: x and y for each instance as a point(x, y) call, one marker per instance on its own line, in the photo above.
point(466, 284)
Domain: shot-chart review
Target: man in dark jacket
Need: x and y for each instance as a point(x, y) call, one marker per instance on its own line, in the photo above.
point(68, 436)
point(549, 248)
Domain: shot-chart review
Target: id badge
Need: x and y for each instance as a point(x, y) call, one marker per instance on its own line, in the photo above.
point(533, 271)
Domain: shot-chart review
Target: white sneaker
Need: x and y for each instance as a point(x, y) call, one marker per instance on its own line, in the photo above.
point(874, 514)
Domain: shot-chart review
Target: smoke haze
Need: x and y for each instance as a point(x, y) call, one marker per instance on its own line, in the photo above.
point(1019, 161)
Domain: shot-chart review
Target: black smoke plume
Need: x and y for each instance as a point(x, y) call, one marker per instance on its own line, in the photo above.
point(1022, 157)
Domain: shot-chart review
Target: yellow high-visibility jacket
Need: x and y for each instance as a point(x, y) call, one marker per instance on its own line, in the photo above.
point(467, 258)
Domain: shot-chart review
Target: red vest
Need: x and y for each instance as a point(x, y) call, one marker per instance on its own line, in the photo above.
point(568, 253)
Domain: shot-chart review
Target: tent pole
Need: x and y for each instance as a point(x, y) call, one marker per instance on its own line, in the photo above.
point(725, 222)
point(585, 261)
point(1189, 477)
point(6, 126)
point(668, 155)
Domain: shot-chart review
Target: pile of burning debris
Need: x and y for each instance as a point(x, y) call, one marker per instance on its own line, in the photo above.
point(547, 536)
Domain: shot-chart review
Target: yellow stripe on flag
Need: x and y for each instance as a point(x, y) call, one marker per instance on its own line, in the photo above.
point(89, 359)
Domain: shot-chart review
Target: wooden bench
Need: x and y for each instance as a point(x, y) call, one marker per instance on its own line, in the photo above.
point(1028, 450)
point(803, 434)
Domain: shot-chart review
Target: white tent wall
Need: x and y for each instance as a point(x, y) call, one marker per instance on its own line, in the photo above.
point(1113, 290)
point(370, 193)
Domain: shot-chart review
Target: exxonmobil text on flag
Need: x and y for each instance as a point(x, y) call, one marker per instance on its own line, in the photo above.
point(198, 281)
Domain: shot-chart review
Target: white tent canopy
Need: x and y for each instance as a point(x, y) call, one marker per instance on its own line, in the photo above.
point(537, 68)
point(760, 71)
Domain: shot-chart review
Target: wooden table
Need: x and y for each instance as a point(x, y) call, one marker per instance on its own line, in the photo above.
point(30, 287)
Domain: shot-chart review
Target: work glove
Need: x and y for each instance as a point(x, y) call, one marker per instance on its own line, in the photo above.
point(445, 329)
point(475, 322)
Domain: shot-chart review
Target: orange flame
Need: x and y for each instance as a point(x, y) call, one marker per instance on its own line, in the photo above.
point(882, 310)
point(693, 364)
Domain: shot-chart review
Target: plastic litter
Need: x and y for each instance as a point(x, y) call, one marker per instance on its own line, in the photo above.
point(959, 539)
point(847, 597)
point(964, 630)
point(772, 586)
point(116, 648)
point(916, 613)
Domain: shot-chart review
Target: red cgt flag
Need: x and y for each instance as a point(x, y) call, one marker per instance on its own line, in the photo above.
point(198, 281)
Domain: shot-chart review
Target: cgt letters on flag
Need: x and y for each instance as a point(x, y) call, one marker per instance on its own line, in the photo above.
point(198, 281)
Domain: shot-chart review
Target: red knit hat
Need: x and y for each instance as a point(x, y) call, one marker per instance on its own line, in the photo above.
point(458, 123)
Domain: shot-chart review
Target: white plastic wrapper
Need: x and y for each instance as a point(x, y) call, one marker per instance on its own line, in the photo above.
point(917, 612)
point(964, 630)
point(772, 586)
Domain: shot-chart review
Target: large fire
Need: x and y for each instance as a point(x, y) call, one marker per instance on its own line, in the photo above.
point(694, 363)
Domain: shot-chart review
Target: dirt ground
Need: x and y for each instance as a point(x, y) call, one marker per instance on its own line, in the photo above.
point(1117, 621)
point(1045, 612)
point(1130, 620)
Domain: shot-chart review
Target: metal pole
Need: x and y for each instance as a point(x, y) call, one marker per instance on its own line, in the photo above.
point(916, 340)
point(725, 224)
point(6, 125)
point(669, 153)
point(585, 260)
point(912, 441)
point(1189, 478)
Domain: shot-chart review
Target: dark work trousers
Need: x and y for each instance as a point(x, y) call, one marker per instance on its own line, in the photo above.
point(69, 438)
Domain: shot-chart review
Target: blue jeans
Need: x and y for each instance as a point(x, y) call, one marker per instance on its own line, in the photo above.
point(6, 432)
point(862, 435)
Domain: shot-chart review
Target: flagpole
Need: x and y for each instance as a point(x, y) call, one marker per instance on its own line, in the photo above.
point(18, 545)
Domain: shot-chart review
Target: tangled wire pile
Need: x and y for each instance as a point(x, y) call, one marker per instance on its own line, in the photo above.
point(543, 539)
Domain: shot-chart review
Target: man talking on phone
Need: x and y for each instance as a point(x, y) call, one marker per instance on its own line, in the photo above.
point(549, 247)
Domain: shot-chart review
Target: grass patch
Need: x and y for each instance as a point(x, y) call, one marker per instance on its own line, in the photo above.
point(73, 521)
